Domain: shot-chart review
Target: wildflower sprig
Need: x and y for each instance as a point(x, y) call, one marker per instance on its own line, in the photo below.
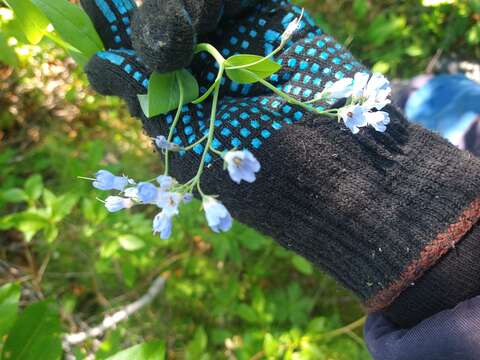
point(365, 97)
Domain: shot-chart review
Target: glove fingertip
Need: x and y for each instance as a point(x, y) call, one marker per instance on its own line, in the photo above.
point(163, 35)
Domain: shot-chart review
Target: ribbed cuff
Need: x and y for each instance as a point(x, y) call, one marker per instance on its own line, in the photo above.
point(455, 278)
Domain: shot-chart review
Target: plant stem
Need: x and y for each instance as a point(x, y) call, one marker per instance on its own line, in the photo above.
point(272, 54)
point(211, 132)
point(289, 98)
point(211, 50)
point(188, 148)
point(175, 122)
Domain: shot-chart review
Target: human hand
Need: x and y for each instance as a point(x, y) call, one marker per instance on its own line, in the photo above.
point(375, 210)
point(449, 335)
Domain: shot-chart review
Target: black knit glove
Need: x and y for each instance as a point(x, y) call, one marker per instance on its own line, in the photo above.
point(380, 212)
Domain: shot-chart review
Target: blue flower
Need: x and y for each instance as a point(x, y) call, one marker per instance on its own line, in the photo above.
point(187, 198)
point(218, 217)
point(165, 182)
point(117, 203)
point(105, 180)
point(162, 143)
point(354, 117)
point(147, 193)
point(169, 202)
point(242, 165)
point(162, 224)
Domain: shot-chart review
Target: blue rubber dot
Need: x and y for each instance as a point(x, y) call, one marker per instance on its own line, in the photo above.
point(298, 115)
point(255, 124)
point(233, 40)
point(118, 39)
point(236, 142)
point(245, 44)
point(265, 117)
point(198, 149)
point(286, 109)
point(312, 52)
point(315, 68)
point(299, 49)
point(276, 125)
point(292, 62)
point(245, 132)
point(266, 134)
point(114, 28)
point(256, 143)
point(226, 132)
point(235, 123)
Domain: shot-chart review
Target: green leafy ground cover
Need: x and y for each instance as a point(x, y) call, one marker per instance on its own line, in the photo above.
point(234, 296)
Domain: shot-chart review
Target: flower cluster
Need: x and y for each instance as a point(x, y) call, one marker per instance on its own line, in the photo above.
point(168, 195)
point(366, 97)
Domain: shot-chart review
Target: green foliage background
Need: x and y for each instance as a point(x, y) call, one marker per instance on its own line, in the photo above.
point(235, 296)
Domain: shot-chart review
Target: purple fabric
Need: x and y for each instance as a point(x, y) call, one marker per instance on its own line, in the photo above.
point(450, 335)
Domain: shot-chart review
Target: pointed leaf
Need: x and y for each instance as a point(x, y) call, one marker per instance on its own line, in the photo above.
point(164, 93)
point(262, 68)
point(33, 22)
point(35, 334)
point(72, 24)
point(154, 350)
point(9, 296)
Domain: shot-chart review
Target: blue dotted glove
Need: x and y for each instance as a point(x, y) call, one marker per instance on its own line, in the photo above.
point(247, 114)
point(452, 334)
point(370, 208)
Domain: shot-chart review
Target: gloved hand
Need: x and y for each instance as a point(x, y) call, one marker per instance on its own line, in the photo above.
point(380, 212)
point(449, 335)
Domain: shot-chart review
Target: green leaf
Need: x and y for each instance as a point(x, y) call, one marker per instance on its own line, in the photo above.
point(7, 54)
point(35, 334)
point(164, 93)
point(33, 22)
point(72, 24)
point(131, 242)
point(197, 346)
point(63, 206)
point(262, 68)
point(9, 296)
point(34, 187)
point(154, 350)
point(302, 265)
point(14, 196)
point(28, 222)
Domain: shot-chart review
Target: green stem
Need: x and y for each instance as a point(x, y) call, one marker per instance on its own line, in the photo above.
point(175, 122)
point(272, 54)
point(289, 98)
point(211, 50)
point(188, 148)
point(211, 133)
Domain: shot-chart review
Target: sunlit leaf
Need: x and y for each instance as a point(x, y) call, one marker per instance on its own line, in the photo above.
point(35, 334)
point(33, 22)
point(131, 242)
point(9, 296)
point(262, 68)
point(154, 350)
point(164, 92)
point(72, 24)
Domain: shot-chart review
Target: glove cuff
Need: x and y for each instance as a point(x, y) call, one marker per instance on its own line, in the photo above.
point(452, 280)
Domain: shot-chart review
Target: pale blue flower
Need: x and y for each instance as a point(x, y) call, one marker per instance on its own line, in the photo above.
point(378, 119)
point(162, 224)
point(354, 117)
point(169, 202)
point(117, 203)
point(242, 165)
point(147, 193)
point(165, 182)
point(218, 217)
point(187, 198)
point(339, 89)
point(376, 93)
point(162, 143)
point(105, 180)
